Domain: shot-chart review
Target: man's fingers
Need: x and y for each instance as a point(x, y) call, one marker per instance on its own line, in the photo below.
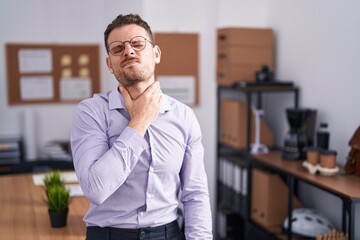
point(153, 88)
point(160, 98)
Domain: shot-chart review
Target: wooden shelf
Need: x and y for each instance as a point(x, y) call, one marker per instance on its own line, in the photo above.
point(347, 186)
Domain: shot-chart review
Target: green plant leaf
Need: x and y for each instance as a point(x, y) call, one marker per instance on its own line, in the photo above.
point(58, 198)
point(53, 178)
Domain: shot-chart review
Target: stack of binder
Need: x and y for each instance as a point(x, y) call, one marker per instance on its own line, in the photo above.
point(233, 175)
point(10, 150)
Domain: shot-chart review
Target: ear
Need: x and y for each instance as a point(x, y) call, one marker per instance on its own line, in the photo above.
point(109, 65)
point(157, 54)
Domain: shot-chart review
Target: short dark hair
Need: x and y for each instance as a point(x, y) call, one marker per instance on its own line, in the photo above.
point(123, 20)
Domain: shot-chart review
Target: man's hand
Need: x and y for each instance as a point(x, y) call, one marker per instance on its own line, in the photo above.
point(144, 109)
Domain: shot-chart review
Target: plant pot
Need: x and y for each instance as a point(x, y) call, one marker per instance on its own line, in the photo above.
point(58, 219)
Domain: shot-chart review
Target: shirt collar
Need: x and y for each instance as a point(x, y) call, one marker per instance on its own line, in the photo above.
point(117, 101)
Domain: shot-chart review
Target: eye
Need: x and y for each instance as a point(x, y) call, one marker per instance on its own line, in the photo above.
point(138, 44)
point(117, 48)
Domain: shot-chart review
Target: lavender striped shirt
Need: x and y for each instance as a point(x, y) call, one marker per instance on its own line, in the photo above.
point(134, 182)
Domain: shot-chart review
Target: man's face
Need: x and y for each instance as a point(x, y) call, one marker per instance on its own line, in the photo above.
point(132, 67)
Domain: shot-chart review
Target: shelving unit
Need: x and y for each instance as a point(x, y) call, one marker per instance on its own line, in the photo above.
point(234, 203)
point(229, 199)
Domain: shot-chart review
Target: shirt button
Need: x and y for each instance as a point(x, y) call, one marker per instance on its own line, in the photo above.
point(150, 195)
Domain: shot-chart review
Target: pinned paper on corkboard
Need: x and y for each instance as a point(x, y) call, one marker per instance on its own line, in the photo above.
point(45, 73)
point(179, 65)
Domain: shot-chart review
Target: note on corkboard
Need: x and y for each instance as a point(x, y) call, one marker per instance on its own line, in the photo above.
point(51, 73)
point(178, 71)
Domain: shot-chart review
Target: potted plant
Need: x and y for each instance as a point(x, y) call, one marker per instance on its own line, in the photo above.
point(53, 178)
point(58, 199)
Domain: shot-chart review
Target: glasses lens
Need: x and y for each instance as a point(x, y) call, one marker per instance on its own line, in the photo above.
point(116, 48)
point(138, 43)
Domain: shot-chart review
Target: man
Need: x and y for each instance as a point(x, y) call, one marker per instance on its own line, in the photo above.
point(137, 151)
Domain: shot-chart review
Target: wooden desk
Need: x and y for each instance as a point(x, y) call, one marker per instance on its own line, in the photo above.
point(23, 212)
point(346, 187)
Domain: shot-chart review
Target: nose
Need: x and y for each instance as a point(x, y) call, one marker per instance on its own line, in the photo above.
point(128, 50)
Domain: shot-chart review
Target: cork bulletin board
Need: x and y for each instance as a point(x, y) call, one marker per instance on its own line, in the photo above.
point(51, 73)
point(178, 71)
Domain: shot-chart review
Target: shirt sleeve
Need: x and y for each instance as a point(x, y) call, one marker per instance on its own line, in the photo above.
point(195, 194)
point(100, 168)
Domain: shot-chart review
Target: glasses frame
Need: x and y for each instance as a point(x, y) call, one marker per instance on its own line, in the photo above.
point(129, 41)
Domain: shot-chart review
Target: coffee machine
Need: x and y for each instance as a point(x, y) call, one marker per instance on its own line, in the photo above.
point(301, 133)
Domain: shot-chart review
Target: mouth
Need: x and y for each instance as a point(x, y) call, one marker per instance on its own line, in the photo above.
point(130, 62)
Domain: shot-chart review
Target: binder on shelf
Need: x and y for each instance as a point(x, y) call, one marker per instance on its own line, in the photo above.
point(8, 146)
point(9, 154)
point(221, 170)
point(233, 176)
point(244, 182)
point(234, 130)
point(10, 150)
point(269, 204)
point(229, 174)
point(221, 225)
point(237, 179)
point(229, 225)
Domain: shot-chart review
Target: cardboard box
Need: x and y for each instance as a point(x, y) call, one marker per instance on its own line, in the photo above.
point(246, 55)
point(228, 74)
point(269, 200)
point(241, 52)
point(245, 36)
point(233, 125)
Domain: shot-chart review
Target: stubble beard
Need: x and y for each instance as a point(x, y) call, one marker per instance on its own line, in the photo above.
point(129, 81)
point(132, 77)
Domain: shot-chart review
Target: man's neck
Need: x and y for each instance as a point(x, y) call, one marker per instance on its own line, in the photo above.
point(136, 90)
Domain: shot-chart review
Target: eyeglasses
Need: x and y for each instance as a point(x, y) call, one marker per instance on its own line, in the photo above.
point(137, 43)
